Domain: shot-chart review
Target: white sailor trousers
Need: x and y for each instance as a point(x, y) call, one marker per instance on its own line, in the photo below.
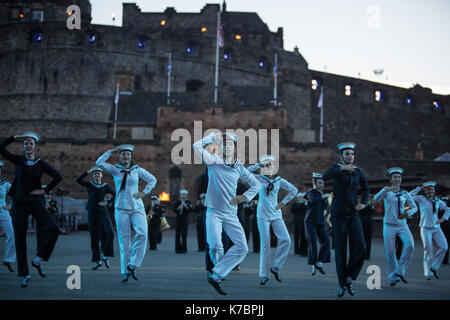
point(283, 245)
point(6, 225)
point(430, 236)
point(215, 221)
point(390, 231)
point(131, 252)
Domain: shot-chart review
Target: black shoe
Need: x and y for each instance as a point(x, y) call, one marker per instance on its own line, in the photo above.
point(320, 269)
point(106, 261)
point(393, 283)
point(132, 272)
point(237, 268)
point(217, 285)
point(435, 273)
point(276, 275)
point(350, 289)
point(341, 292)
point(125, 278)
point(401, 277)
point(39, 269)
point(8, 265)
point(264, 281)
point(97, 265)
point(25, 281)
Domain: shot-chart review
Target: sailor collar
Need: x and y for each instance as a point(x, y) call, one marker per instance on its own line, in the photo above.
point(2, 181)
point(341, 165)
point(121, 167)
point(31, 162)
point(234, 165)
point(273, 180)
point(98, 185)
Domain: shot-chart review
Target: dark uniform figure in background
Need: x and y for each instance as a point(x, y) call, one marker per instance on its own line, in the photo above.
point(28, 198)
point(345, 218)
point(100, 225)
point(445, 226)
point(298, 209)
point(315, 225)
point(182, 208)
point(366, 222)
point(200, 210)
point(154, 215)
point(52, 207)
point(254, 226)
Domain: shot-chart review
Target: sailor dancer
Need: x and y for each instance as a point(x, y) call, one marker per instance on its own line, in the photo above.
point(100, 225)
point(129, 208)
point(315, 225)
point(430, 229)
point(346, 178)
point(398, 205)
point(269, 215)
point(28, 198)
point(6, 223)
point(223, 174)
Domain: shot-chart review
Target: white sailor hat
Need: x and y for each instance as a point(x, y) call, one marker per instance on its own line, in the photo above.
point(393, 170)
point(1, 163)
point(202, 195)
point(230, 135)
point(316, 175)
point(154, 198)
point(125, 147)
point(266, 157)
point(96, 168)
point(346, 145)
point(30, 134)
point(429, 184)
point(183, 191)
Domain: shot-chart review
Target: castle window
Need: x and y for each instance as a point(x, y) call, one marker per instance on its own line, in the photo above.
point(37, 15)
point(378, 95)
point(194, 85)
point(409, 100)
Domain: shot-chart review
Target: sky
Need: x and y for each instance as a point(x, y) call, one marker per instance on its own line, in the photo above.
point(408, 39)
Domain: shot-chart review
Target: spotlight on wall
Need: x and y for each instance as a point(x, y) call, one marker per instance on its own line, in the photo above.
point(204, 29)
point(314, 84)
point(163, 23)
point(37, 36)
point(238, 36)
point(91, 37)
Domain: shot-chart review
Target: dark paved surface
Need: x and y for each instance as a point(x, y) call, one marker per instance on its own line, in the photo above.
point(166, 275)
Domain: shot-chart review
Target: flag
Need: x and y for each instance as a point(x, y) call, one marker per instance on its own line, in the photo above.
point(320, 103)
point(169, 67)
point(275, 68)
point(116, 98)
point(220, 33)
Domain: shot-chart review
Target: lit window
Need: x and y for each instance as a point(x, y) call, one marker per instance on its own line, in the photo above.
point(348, 90)
point(314, 84)
point(378, 95)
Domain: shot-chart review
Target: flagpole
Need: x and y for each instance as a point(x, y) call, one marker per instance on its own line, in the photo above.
point(116, 102)
point(275, 75)
point(321, 116)
point(216, 82)
point(169, 72)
